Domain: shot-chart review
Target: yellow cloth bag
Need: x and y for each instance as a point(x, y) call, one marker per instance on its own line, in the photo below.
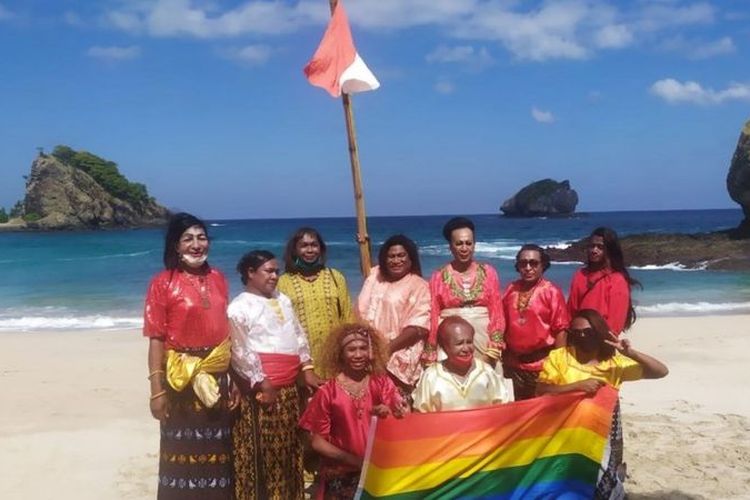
point(182, 369)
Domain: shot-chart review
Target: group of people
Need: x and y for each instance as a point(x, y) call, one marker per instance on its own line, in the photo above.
point(287, 376)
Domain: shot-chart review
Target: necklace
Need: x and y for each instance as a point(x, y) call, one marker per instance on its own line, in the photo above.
point(356, 391)
point(522, 302)
point(201, 287)
point(471, 286)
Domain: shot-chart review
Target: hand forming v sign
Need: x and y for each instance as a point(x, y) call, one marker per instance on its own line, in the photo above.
point(622, 345)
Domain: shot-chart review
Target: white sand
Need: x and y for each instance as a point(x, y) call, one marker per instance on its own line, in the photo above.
point(74, 419)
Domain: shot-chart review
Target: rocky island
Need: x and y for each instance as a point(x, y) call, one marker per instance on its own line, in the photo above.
point(70, 189)
point(542, 199)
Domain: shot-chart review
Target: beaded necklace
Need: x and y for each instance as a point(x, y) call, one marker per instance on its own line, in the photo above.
point(201, 287)
point(356, 391)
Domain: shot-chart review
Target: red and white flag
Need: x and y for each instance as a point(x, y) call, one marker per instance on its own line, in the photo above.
point(336, 66)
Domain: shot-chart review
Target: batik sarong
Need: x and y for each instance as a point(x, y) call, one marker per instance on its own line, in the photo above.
point(195, 452)
point(268, 448)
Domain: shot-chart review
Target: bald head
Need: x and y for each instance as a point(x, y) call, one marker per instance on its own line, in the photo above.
point(451, 327)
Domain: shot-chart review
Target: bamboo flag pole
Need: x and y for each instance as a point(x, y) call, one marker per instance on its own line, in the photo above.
point(365, 261)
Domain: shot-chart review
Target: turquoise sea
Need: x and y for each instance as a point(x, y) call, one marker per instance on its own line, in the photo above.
point(97, 279)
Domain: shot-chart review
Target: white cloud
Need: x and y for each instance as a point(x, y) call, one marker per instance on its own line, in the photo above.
point(542, 116)
point(251, 55)
point(613, 36)
point(444, 87)
point(165, 18)
point(722, 46)
point(112, 54)
point(461, 54)
point(658, 16)
point(536, 31)
point(547, 33)
point(404, 14)
point(675, 92)
point(699, 49)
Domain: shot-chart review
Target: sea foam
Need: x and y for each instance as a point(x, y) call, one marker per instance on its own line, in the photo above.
point(672, 266)
point(99, 322)
point(698, 308)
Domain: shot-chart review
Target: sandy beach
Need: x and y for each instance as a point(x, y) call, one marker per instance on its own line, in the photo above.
point(75, 424)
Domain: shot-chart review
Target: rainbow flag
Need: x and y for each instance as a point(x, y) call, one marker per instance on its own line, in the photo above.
point(547, 447)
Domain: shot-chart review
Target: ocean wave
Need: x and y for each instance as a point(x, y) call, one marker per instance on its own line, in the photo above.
point(672, 266)
point(500, 248)
point(560, 245)
point(216, 224)
point(26, 323)
point(670, 308)
point(103, 257)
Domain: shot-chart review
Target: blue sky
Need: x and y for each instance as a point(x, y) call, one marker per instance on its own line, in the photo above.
point(639, 104)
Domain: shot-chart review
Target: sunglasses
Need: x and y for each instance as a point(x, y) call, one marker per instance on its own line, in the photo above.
point(528, 262)
point(583, 332)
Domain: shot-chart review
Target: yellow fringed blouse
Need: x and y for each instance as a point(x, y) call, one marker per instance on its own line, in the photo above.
point(321, 304)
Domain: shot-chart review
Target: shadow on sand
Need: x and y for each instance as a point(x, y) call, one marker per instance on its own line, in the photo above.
point(665, 495)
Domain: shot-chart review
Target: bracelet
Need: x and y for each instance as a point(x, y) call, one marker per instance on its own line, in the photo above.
point(154, 373)
point(158, 395)
point(307, 367)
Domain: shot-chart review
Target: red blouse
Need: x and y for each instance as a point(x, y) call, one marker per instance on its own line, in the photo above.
point(605, 291)
point(535, 327)
point(175, 311)
point(345, 421)
point(446, 294)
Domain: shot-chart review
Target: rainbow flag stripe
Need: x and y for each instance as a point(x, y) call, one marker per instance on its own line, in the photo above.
point(548, 447)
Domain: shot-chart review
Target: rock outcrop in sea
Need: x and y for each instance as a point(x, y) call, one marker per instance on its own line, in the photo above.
point(738, 180)
point(712, 251)
point(542, 198)
point(78, 190)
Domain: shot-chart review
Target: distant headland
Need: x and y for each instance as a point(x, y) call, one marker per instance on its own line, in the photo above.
point(69, 190)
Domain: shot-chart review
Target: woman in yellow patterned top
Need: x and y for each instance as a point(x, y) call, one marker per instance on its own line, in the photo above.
point(593, 357)
point(319, 294)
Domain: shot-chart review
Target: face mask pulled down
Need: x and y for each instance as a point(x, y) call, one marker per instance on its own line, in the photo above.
point(193, 261)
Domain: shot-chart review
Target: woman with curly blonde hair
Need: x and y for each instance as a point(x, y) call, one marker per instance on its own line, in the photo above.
point(338, 416)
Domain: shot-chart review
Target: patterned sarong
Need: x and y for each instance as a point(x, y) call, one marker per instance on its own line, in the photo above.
point(195, 452)
point(268, 448)
point(610, 485)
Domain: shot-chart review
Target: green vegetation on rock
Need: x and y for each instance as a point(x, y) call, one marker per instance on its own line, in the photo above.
point(32, 217)
point(3, 216)
point(104, 172)
point(17, 210)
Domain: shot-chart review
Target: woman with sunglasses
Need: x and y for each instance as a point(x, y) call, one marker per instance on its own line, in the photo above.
point(536, 318)
point(604, 284)
point(593, 357)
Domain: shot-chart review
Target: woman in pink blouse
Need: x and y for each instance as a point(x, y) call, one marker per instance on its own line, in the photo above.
point(536, 316)
point(395, 299)
point(470, 289)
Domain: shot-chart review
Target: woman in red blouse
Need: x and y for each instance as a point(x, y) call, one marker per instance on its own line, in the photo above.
point(338, 416)
point(188, 358)
point(469, 289)
point(536, 318)
point(604, 284)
